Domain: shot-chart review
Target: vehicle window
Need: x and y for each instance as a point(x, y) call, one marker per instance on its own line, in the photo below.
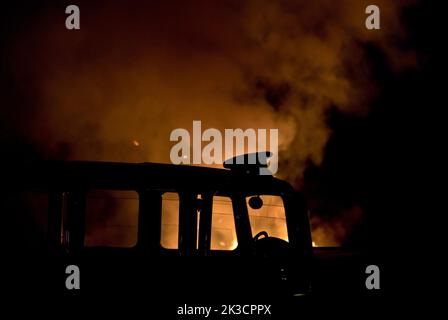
point(111, 218)
point(223, 235)
point(170, 220)
point(270, 217)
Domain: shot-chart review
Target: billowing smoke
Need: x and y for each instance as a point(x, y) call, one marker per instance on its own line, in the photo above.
point(116, 88)
point(335, 230)
point(312, 58)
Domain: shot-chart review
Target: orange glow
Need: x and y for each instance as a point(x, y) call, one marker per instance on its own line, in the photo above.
point(252, 65)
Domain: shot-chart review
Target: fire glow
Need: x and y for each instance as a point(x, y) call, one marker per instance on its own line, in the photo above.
point(250, 64)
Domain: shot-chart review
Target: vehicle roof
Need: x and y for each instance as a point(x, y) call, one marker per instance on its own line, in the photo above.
point(67, 175)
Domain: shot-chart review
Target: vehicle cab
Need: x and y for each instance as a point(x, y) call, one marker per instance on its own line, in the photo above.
point(212, 228)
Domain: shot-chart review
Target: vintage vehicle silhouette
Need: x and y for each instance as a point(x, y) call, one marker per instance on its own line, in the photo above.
point(170, 227)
